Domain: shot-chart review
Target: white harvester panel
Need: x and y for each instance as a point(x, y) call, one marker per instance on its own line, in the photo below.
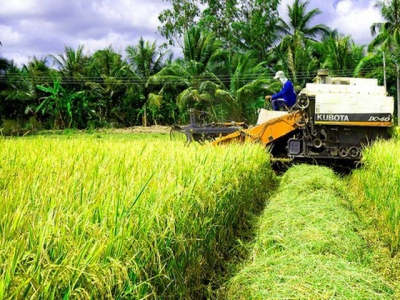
point(267, 115)
point(357, 102)
point(314, 89)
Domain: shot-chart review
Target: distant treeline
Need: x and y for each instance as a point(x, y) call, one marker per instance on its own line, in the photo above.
point(229, 54)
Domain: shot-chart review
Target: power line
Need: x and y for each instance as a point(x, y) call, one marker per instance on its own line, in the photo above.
point(171, 79)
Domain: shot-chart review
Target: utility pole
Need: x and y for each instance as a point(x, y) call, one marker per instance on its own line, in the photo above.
point(398, 93)
point(384, 68)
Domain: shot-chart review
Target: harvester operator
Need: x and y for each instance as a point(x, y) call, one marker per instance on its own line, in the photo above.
point(286, 98)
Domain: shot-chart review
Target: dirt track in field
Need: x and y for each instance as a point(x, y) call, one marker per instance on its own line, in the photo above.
point(142, 129)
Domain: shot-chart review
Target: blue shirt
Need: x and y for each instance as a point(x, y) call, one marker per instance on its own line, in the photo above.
point(287, 93)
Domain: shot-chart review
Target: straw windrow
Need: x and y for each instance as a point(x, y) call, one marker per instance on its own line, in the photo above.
point(307, 246)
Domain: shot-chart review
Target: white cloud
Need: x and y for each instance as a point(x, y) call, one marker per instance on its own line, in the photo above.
point(349, 17)
point(135, 13)
point(40, 27)
point(351, 20)
point(344, 7)
point(111, 39)
point(19, 6)
point(9, 36)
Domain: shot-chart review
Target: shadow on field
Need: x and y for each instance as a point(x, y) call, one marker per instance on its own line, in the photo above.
point(341, 169)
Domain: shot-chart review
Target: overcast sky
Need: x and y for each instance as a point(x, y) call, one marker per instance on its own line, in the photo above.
point(40, 27)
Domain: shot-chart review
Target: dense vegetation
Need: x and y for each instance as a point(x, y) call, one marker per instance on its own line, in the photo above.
point(225, 68)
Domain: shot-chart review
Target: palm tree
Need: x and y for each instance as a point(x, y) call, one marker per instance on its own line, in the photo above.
point(294, 48)
point(72, 77)
point(340, 54)
point(194, 75)
point(386, 36)
point(382, 31)
point(14, 90)
point(109, 85)
point(4, 66)
point(146, 60)
point(248, 82)
point(38, 72)
point(72, 64)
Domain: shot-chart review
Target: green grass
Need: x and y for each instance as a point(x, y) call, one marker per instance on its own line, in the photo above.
point(308, 247)
point(103, 216)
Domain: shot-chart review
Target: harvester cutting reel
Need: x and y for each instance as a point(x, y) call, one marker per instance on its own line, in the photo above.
point(200, 131)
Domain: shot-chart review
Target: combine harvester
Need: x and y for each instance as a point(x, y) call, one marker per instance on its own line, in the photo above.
point(332, 121)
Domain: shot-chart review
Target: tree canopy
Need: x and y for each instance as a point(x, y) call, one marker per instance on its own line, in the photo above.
point(230, 51)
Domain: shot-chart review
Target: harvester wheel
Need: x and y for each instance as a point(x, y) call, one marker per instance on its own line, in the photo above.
point(343, 151)
point(354, 152)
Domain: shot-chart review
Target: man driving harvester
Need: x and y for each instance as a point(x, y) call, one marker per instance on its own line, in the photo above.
point(286, 98)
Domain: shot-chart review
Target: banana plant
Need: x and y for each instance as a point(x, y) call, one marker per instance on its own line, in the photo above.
point(58, 104)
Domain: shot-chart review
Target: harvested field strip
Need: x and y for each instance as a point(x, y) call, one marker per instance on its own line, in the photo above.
point(97, 217)
point(307, 245)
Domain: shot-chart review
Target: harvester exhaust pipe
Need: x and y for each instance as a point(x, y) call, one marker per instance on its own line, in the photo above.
point(322, 75)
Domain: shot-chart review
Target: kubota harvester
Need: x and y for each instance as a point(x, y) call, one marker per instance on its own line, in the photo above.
point(333, 119)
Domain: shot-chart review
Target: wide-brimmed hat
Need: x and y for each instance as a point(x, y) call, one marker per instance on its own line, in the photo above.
point(279, 74)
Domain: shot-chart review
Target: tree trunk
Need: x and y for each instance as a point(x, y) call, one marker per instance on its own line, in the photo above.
point(144, 119)
point(384, 68)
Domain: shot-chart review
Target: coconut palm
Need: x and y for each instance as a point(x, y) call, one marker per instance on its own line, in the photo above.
point(38, 72)
point(247, 81)
point(384, 31)
point(146, 60)
point(340, 54)
point(295, 35)
point(387, 36)
point(72, 64)
point(73, 75)
point(299, 22)
point(194, 75)
point(13, 90)
point(109, 84)
point(4, 66)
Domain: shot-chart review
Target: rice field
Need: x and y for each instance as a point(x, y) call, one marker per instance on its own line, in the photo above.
point(111, 217)
point(377, 190)
point(131, 216)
